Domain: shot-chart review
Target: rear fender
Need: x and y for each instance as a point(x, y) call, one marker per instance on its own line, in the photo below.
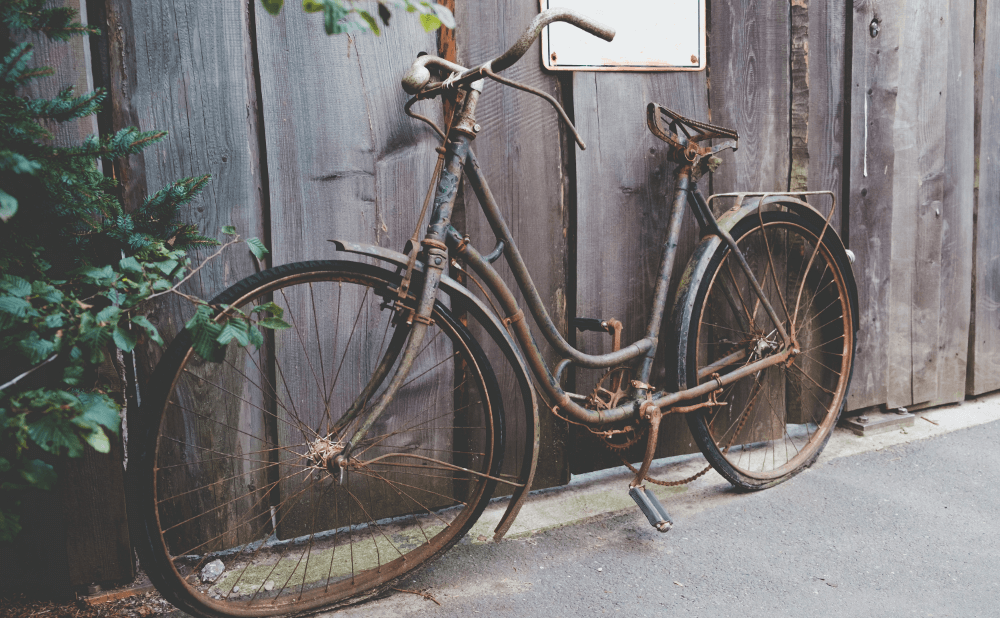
point(698, 264)
point(731, 217)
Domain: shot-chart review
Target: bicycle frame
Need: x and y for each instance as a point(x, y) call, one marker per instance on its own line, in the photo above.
point(685, 192)
point(443, 240)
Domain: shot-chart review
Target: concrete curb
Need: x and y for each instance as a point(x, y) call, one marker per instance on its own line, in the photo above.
point(603, 493)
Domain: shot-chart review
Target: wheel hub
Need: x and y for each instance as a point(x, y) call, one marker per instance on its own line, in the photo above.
point(325, 454)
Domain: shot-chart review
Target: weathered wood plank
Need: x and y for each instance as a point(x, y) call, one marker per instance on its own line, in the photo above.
point(93, 527)
point(187, 67)
point(749, 52)
point(957, 211)
point(984, 375)
point(624, 194)
point(825, 58)
point(72, 64)
point(875, 76)
point(343, 162)
point(522, 150)
point(918, 191)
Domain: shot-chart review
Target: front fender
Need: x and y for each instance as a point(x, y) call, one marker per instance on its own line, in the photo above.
point(513, 354)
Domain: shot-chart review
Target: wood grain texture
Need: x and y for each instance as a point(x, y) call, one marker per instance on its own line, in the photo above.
point(875, 77)
point(749, 55)
point(800, 58)
point(957, 212)
point(985, 340)
point(72, 64)
point(918, 193)
point(524, 155)
point(187, 68)
point(94, 525)
point(978, 58)
point(93, 504)
point(343, 162)
point(825, 61)
point(624, 195)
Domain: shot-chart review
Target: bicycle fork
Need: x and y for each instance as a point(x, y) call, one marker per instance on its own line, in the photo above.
point(435, 260)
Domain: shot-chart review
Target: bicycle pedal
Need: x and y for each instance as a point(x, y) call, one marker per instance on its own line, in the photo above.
point(651, 508)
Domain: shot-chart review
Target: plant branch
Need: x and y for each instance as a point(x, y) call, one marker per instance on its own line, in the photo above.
point(28, 372)
point(173, 290)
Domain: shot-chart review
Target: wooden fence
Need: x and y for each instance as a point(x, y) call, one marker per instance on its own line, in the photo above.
point(888, 104)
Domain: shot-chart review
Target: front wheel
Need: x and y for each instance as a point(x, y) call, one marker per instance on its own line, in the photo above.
point(243, 507)
point(771, 424)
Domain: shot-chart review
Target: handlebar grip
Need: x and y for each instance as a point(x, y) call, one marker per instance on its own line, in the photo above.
point(418, 75)
point(543, 19)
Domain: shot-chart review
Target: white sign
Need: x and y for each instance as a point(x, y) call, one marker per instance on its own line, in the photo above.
point(651, 35)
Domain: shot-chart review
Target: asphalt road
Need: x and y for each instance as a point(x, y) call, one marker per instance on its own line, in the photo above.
point(910, 530)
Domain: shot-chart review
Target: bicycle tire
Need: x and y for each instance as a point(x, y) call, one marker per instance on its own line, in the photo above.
point(772, 424)
point(221, 460)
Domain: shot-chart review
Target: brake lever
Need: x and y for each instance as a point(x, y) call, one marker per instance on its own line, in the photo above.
point(488, 72)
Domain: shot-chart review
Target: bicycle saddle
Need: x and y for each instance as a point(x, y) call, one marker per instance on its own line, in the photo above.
point(683, 134)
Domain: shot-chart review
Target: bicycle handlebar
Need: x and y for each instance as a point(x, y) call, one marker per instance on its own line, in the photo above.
point(418, 75)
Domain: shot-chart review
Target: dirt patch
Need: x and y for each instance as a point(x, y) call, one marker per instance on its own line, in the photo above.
point(137, 606)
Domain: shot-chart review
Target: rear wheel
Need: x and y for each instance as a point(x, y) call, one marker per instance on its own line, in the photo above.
point(244, 511)
point(771, 424)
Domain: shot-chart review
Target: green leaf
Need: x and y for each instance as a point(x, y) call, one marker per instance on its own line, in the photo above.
point(8, 206)
point(271, 308)
point(15, 286)
point(311, 6)
point(205, 334)
point(144, 323)
point(10, 525)
point(365, 15)
point(72, 374)
point(99, 409)
point(256, 337)
point(17, 307)
point(124, 339)
point(116, 296)
point(272, 6)
point(274, 323)
point(228, 229)
point(36, 349)
point(38, 474)
point(56, 435)
point(160, 285)
point(47, 292)
point(234, 329)
point(130, 265)
point(333, 12)
point(54, 321)
point(257, 248)
point(108, 315)
point(430, 22)
point(167, 267)
point(99, 441)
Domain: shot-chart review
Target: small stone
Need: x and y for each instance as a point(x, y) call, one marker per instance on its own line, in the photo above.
point(269, 585)
point(212, 571)
point(599, 570)
point(236, 588)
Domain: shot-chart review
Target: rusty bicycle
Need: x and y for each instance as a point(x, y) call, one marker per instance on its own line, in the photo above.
point(367, 437)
